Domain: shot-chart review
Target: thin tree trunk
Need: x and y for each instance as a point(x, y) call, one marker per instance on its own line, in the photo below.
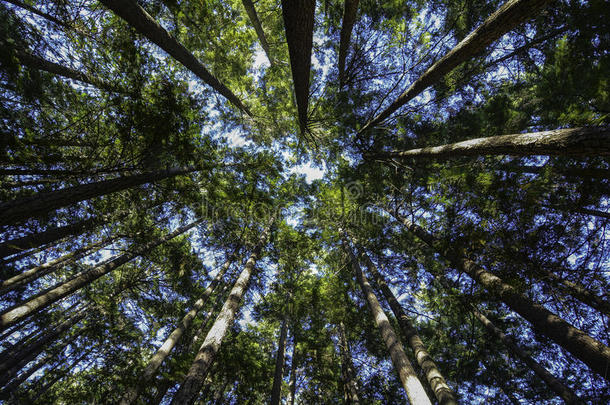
point(219, 393)
point(442, 392)
point(508, 16)
point(256, 23)
point(20, 311)
point(298, 23)
point(502, 382)
point(292, 384)
point(350, 11)
point(589, 350)
point(413, 387)
point(278, 376)
point(595, 213)
point(583, 173)
point(138, 18)
point(166, 348)
point(350, 389)
point(588, 141)
point(42, 203)
point(190, 387)
point(162, 389)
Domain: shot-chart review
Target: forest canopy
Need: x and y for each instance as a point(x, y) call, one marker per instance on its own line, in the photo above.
point(304, 202)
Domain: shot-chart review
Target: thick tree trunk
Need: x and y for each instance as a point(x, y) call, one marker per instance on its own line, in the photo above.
point(298, 23)
point(350, 389)
point(590, 351)
point(256, 23)
point(350, 11)
point(138, 18)
point(166, 348)
point(507, 17)
point(46, 202)
point(591, 141)
point(442, 392)
point(190, 387)
point(292, 384)
point(413, 387)
point(34, 305)
point(278, 375)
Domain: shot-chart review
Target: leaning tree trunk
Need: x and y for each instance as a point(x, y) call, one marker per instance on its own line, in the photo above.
point(34, 305)
point(276, 390)
point(442, 392)
point(582, 173)
point(350, 11)
point(507, 17)
point(590, 351)
point(413, 387)
point(298, 23)
point(256, 23)
point(141, 21)
point(591, 141)
point(166, 348)
point(350, 390)
point(190, 387)
point(43, 203)
point(162, 389)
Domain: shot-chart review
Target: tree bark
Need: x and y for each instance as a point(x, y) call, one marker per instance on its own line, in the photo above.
point(413, 387)
point(350, 390)
point(278, 376)
point(190, 387)
point(442, 392)
point(508, 16)
point(591, 141)
point(292, 385)
point(20, 311)
point(138, 18)
point(43, 203)
point(166, 348)
point(590, 351)
point(256, 23)
point(298, 23)
point(350, 11)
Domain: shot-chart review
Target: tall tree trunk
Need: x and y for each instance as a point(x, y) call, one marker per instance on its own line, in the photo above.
point(583, 173)
point(350, 390)
point(138, 18)
point(589, 350)
point(508, 16)
point(220, 392)
point(413, 387)
point(256, 23)
point(442, 392)
point(298, 23)
point(166, 348)
point(292, 384)
point(350, 11)
point(162, 389)
point(42, 203)
point(190, 387)
point(278, 375)
point(588, 141)
point(20, 311)
point(503, 382)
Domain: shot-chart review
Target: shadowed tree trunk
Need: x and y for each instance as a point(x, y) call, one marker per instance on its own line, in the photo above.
point(43, 203)
point(413, 387)
point(592, 141)
point(592, 173)
point(256, 23)
point(276, 390)
point(590, 351)
point(292, 384)
point(298, 23)
point(442, 392)
point(162, 389)
point(190, 387)
point(507, 17)
point(34, 305)
point(350, 389)
point(138, 18)
point(350, 11)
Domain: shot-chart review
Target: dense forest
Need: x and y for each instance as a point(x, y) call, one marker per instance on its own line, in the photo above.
point(301, 202)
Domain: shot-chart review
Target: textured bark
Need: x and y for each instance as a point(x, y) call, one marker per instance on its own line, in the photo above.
point(298, 23)
point(592, 141)
point(350, 389)
point(141, 21)
point(350, 11)
point(553, 383)
point(34, 305)
point(278, 375)
point(190, 387)
point(508, 16)
point(166, 348)
point(413, 387)
point(43, 203)
point(590, 351)
point(256, 23)
point(442, 392)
